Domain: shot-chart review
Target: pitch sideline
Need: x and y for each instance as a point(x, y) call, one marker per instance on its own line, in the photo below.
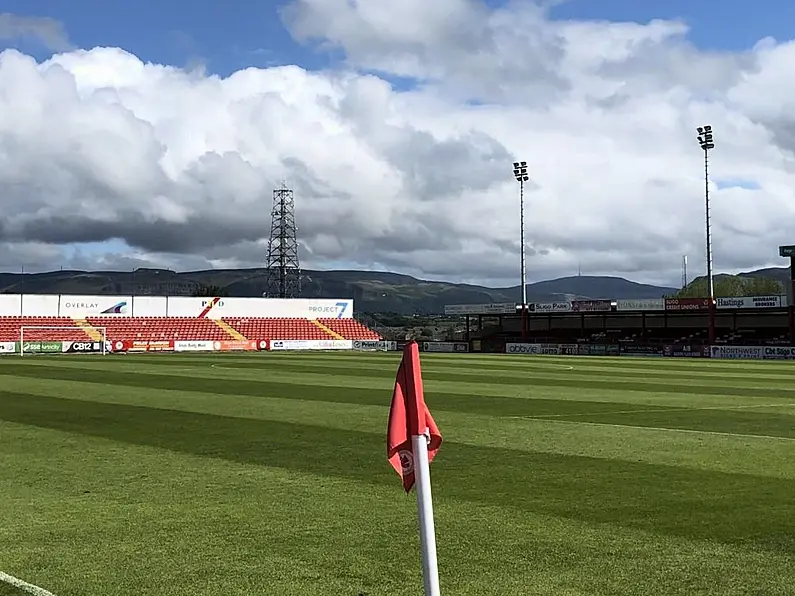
point(23, 585)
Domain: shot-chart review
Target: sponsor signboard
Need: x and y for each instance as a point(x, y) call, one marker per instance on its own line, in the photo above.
point(749, 302)
point(309, 344)
point(143, 345)
point(686, 304)
point(518, 348)
point(635, 350)
point(786, 251)
point(366, 345)
point(234, 345)
point(97, 306)
point(544, 307)
point(599, 349)
point(81, 347)
point(779, 353)
point(569, 349)
point(591, 305)
point(444, 346)
point(683, 351)
point(42, 347)
point(497, 308)
point(8, 347)
point(54, 305)
point(738, 352)
point(641, 305)
point(193, 346)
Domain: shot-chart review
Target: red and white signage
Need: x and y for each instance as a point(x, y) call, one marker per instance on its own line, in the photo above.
point(142, 345)
point(234, 346)
point(686, 304)
point(311, 344)
point(749, 302)
point(591, 305)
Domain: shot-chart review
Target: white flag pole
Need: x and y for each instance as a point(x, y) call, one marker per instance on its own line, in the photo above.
point(430, 570)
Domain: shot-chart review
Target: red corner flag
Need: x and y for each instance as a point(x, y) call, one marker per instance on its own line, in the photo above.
point(408, 417)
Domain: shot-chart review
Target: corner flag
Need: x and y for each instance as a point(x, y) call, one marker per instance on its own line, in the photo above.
point(413, 439)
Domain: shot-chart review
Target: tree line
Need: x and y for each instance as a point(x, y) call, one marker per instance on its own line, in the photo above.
point(730, 286)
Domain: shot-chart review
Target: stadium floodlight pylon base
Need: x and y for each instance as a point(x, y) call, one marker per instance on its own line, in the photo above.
point(84, 345)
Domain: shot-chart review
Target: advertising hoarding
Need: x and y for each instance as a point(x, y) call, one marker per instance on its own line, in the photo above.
point(641, 304)
point(686, 304)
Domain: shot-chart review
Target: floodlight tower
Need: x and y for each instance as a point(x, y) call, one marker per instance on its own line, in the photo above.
point(684, 271)
point(707, 143)
point(283, 272)
point(520, 173)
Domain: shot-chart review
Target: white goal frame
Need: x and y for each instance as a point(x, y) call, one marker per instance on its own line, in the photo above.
point(103, 342)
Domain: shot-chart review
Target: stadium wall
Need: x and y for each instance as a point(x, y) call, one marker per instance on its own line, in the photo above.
point(54, 305)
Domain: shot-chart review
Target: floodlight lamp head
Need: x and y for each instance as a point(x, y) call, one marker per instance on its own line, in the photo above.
point(516, 165)
point(526, 178)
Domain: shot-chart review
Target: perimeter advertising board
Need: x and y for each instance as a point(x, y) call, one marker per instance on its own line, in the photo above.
point(749, 302)
point(779, 353)
point(143, 345)
point(309, 344)
point(641, 305)
point(532, 349)
point(444, 346)
point(753, 352)
point(498, 308)
point(637, 350)
point(591, 305)
point(42, 347)
point(370, 345)
point(737, 352)
point(81, 347)
point(545, 307)
point(686, 304)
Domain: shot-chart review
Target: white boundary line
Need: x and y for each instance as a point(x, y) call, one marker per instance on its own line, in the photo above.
point(23, 585)
point(660, 409)
point(676, 430)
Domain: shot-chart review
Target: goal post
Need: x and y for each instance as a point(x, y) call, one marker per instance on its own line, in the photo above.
point(38, 339)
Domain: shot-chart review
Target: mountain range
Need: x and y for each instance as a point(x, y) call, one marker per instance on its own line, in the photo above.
point(372, 291)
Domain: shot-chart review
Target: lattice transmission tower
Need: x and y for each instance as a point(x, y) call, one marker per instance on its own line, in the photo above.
point(283, 273)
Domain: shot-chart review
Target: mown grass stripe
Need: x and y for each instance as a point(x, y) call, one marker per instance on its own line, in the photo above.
point(729, 508)
point(645, 444)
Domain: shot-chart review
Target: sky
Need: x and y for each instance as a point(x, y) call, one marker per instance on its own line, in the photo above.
point(152, 134)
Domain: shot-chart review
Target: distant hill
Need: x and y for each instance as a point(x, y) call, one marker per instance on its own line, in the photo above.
point(372, 291)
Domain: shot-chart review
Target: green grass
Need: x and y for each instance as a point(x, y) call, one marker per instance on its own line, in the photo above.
point(267, 474)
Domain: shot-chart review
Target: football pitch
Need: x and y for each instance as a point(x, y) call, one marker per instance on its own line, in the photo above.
point(266, 474)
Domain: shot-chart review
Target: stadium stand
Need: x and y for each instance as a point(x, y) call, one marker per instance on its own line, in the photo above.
point(263, 328)
point(10, 329)
point(350, 329)
point(184, 328)
point(156, 328)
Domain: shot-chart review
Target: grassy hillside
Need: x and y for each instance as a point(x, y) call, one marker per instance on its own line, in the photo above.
point(372, 290)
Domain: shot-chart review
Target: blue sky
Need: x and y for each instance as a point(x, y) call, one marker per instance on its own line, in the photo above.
point(229, 36)
point(226, 37)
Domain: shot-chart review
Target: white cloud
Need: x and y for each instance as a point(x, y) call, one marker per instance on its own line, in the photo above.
point(97, 144)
